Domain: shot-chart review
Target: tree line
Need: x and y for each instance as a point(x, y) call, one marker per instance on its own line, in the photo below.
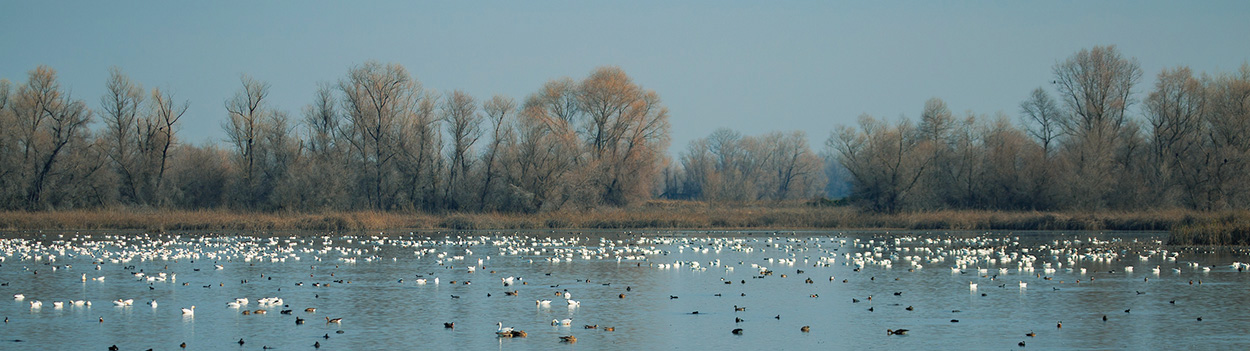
point(1078, 148)
point(377, 139)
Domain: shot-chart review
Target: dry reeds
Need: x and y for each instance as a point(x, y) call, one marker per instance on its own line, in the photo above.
point(1188, 227)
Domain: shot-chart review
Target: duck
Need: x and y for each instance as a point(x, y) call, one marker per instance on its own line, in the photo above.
point(896, 331)
point(568, 338)
point(805, 329)
point(449, 325)
point(334, 320)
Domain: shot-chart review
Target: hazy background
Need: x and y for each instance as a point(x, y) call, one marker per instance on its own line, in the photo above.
point(752, 67)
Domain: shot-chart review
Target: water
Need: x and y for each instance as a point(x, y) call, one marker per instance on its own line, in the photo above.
point(371, 282)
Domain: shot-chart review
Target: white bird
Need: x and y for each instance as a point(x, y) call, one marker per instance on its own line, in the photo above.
point(1023, 285)
point(188, 311)
point(502, 329)
point(542, 302)
point(574, 303)
point(566, 322)
point(119, 302)
point(19, 297)
point(153, 303)
point(36, 304)
point(567, 295)
point(233, 304)
point(58, 304)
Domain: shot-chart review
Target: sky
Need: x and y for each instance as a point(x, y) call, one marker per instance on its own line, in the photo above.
point(754, 67)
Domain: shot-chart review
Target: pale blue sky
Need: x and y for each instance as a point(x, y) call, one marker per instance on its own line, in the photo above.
point(750, 66)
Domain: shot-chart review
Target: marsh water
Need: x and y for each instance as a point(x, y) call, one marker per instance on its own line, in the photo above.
point(849, 288)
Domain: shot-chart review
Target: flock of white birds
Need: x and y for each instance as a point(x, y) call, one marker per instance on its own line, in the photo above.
point(986, 257)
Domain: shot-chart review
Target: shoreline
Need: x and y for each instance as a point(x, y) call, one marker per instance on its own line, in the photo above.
point(659, 215)
point(1183, 227)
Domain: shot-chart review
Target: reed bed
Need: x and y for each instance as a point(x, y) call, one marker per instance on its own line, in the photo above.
point(1187, 227)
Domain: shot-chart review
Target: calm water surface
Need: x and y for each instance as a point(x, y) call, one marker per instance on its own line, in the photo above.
point(371, 282)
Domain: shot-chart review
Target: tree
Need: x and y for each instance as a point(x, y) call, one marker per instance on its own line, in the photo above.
point(497, 110)
point(50, 124)
point(459, 111)
point(321, 182)
point(540, 164)
point(247, 111)
point(1042, 118)
point(626, 131)
point(1227, 114)
point(164, 118)
point(1174, 111)
point(885, 160)
point(1096, 89)
point(378, 101)
point(120, 107)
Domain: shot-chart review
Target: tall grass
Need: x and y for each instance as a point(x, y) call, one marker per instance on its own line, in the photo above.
point(1223, 229)
point(1188, 227)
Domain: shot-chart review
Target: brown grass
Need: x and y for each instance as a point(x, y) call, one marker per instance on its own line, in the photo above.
point(1226, 228)
point(650, 215)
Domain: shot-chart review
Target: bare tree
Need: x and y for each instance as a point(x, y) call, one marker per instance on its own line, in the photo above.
point(798, 171)
point(1096, 89)
point(378, 100)
point(540, 164)
point(936, 121)
point(121, 106)
point(52, 124)
point(322, 180)
point(247, 111)
point(497, 110)
point(165, 115)
point(459, 111)
point(1041, 118)
point(1227, 114)
point(885, 160)
point(1174, 110)
point(627, 132)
